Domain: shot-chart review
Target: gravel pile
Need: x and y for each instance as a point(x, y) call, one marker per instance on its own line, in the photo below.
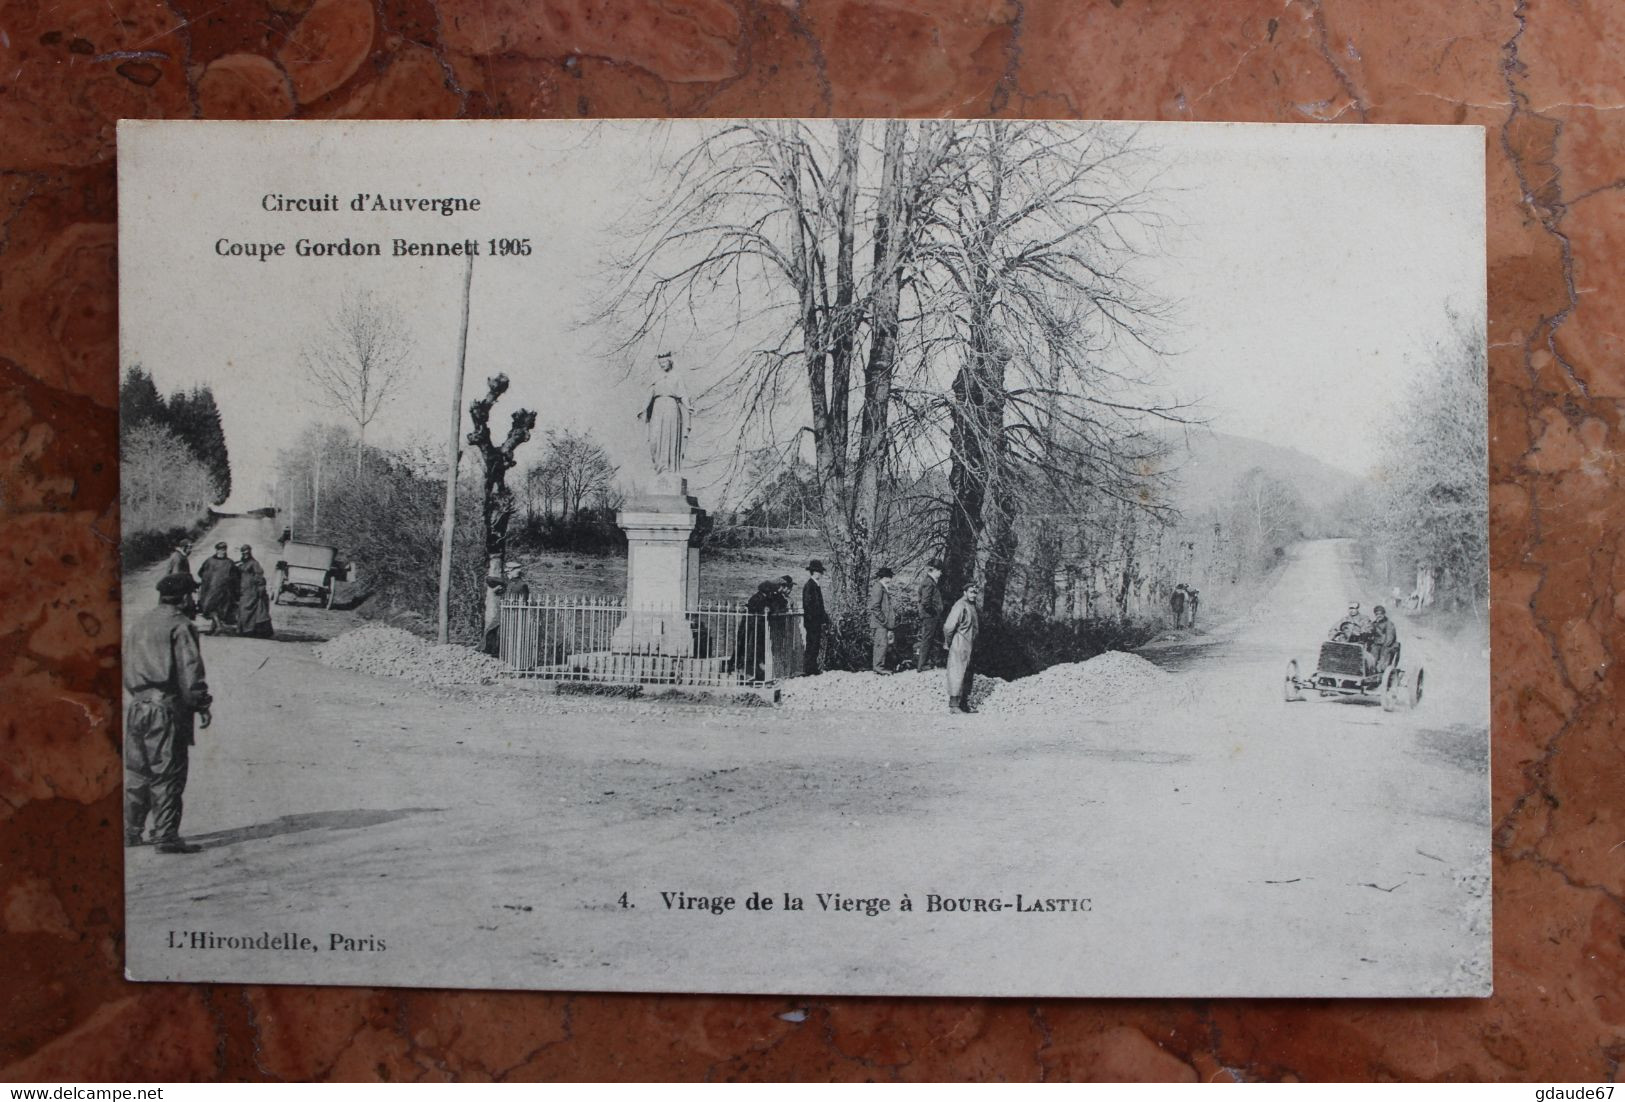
point(391, 652)
point(911, 691)
point(1115, 677)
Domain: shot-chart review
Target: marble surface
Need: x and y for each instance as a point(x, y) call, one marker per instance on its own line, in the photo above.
point(1544, 77)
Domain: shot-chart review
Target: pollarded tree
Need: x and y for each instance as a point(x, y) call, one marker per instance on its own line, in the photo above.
point(497, 503)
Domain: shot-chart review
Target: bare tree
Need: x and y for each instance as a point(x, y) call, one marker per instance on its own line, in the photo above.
point(768, 219)
point(608, 497)
point(306, 477)
point(1026, 286)
point(360, 359)
point(912, 178)
point(770, 206)
point(970, 282)
point(540, 490)
point(574, 470)
point(1265, 515)
point(163, 483)
point(1434, 508)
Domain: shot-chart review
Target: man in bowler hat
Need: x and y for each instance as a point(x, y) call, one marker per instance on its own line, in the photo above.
point(813, 617)
point(882, 618)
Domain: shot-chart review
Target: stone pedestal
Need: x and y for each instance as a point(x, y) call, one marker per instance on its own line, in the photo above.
point(662, 570)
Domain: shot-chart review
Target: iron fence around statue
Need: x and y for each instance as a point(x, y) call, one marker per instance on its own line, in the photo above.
point(595, 639)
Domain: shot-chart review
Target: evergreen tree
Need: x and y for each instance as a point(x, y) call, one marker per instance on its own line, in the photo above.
point(211, 440)
point(194, 417)
point(139, 401)
point(183, 420)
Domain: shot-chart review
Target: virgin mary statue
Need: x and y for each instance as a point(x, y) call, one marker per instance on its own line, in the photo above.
point(666, 417)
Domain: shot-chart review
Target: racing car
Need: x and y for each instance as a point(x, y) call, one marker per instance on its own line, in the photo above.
point(1344, 670)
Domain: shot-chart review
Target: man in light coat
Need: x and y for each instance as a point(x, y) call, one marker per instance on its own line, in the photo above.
point(959, 632)
point(882, 618)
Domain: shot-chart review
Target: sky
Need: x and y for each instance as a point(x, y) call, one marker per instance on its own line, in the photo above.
point(1310, 268)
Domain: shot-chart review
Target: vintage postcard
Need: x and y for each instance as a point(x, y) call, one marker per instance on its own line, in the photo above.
point(806, 556)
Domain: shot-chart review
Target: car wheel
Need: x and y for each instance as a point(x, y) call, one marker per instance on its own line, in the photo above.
point(1391, 684)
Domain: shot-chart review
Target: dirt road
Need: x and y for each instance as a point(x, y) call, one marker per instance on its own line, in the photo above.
point(1225, 843)
point(298, 621)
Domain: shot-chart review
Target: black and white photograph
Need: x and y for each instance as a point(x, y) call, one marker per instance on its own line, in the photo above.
point(874, 557)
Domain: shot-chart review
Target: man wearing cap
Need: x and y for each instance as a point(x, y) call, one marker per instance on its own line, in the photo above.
point(163, 689)
point(882, 617)
point(217, 588)
point(253, 599)
point(928, 599)
point(1352, 626)
point(515, 588)
point(1355, 628)
point(1382, 639)
point(813, 618)
point(959, 632)
point(179, 559)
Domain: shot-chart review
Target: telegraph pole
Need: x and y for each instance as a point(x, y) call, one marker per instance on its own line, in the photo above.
point(448, 523)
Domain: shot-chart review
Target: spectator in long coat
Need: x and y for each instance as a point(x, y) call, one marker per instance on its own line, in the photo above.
point(959, 631)
point(1177, 600)
point(928, 599)
point(814, 618)
point(882, 618)
point(750, 649)
point(782, 638)
point(253, 599)
point(217, 588)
